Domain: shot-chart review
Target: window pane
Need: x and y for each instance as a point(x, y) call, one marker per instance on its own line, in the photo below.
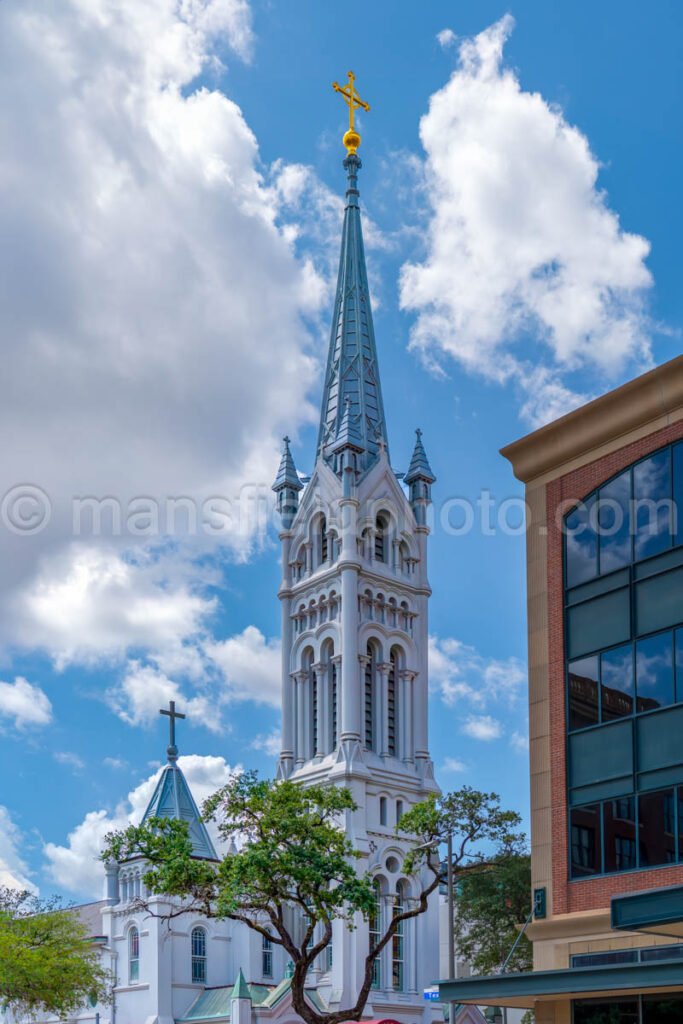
point(613, 1012)
point(583, 692)
point(620, 834)
point(664, 1009)
point(654, 672)
point(677, 510)
point(585, 841)
point(662, 953)
point(581, 545)
point(619, 956)
point(615, 525)
point(659, 601)
point(617, 683)
point(679, 660)
point(656, 840)
point(652, 504)
point(603, 622)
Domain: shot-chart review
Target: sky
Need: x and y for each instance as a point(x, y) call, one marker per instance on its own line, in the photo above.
point(172, 199)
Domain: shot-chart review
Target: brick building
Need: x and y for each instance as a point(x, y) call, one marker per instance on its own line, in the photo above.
point(605, 633)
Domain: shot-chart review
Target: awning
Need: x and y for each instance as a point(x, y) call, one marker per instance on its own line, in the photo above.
point(525, 989)
point(657, 911)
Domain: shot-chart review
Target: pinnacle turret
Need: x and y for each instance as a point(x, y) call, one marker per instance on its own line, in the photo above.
point(419, 479)
point(287, 486)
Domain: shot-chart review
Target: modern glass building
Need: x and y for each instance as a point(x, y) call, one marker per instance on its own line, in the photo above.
point(604, 491)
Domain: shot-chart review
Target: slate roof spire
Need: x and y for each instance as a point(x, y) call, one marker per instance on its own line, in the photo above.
point(352, 368)
point(172, 797)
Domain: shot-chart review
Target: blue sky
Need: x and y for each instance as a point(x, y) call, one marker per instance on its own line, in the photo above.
point(171, 220)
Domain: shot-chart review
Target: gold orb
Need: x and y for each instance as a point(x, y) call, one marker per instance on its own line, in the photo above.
point(351, 140)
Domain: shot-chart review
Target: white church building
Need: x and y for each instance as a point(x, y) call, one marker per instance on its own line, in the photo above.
point(354, 596)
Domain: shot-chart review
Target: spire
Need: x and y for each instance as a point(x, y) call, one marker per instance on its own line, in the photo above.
point(352, 368)
point(419, 479)
point(240, 989)
point(287, 486)
point(172, 797)
point(419, 468)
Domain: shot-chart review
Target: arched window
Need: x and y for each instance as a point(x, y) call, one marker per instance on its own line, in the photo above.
point(375, 933)
point(324, 548)
point(381, 527)
point(369, 696)
point(403, 557)
point(133, 955)
point(198, 939)
point(392, 705)
point(398, 942)
point(334, 696)
point(313, 706)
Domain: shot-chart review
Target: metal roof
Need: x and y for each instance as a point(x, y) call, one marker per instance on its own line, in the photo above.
point(172, 799)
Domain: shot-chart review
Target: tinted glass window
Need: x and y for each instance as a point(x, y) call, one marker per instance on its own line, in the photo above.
point(659, 601)
point(679, 662)
point(602, 622)
point(652, 504)
point(662, 953)
point(677, 510)
point(620, 834)
point(664, 1009)
point(614, 1012)
point(654, 672)
point(583, 692)
point(656, 824)
point(617, 689)
point(585, 841)
point(614, 520)
point(581, 545)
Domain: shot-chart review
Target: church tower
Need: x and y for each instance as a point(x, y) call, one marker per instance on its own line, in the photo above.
point(354, 597)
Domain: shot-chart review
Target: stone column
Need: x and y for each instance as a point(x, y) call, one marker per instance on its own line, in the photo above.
point(382, 707)
point(335, 704)
point(300, 678)
point(320, 670)
point(287, 684)
point(350, 681)
point(405, 717)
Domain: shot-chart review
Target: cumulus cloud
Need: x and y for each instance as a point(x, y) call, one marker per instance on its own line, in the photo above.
point(150, 269)
point(13, 869)
point(76, 866)
point(250, 665)
point(460, 673)
point(25, 704)
point(521, 242)
point(70, 759)
point(519, 742)
point(90, 604)
point(270, 743)
point(482, 727)
point(145, 689)
point(452, 765)
point(446, 38)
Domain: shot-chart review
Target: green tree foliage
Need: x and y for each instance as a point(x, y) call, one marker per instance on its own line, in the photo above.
point(295, 871)
point(48, 964)
point(490, 907)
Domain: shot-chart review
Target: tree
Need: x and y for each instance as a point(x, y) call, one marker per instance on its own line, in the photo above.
point(490, 908)
point(296, 871)
point(47, 962)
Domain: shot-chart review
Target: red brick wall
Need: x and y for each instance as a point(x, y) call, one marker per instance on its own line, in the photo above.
point(591, 893)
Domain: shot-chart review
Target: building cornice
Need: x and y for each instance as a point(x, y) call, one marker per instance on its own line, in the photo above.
point(656, 395)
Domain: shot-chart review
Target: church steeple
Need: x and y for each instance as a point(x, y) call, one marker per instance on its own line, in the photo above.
point(352, 367)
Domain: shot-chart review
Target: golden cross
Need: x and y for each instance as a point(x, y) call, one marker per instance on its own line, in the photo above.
point(353, 101)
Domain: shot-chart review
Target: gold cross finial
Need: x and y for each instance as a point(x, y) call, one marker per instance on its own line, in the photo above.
point(351, 138)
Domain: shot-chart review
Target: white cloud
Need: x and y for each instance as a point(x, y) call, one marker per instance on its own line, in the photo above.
point(250, 665)
point(91, 604)
point(13, 869)
point(115, 763)
point(519, 742)
point(156, 270)
point(482, 727)
point(446, 38)
point(76, 866)
point(68, 758)
point(270, 743)
point(521, 241)
point(145, 689)
point(25, 703)
point(460, 673)
point(452, 765)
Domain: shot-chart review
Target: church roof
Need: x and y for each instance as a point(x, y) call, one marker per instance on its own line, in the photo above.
point(241, 989)
point(214, 1004)
point(172, 799)
point(352, 366)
